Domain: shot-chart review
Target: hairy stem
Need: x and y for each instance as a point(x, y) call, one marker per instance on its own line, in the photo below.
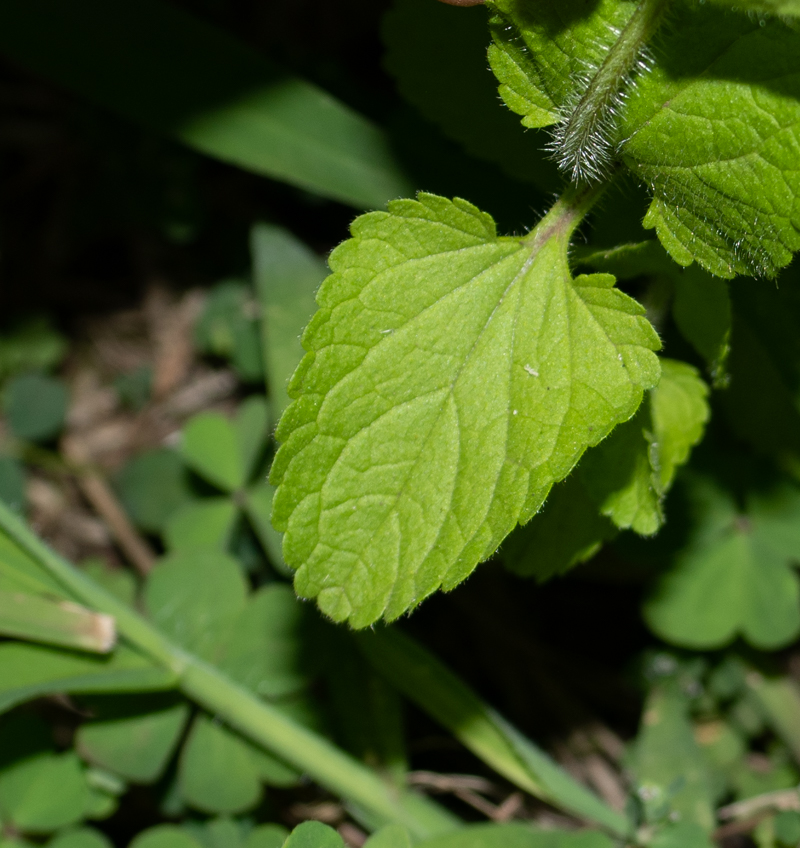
point(583, 143)
point(373, 800)
point(566, 214)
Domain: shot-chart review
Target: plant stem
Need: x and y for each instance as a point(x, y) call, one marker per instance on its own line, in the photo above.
point(374, 801)
point(566, 214)
point(583, 144)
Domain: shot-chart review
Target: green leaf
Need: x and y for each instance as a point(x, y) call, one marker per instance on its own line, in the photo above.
point(667, 762)
point(20, 572)
point(210, 447)
point(201, 524)
point(133, 737)
point(252, 428)
point(703, 314)
point(12, 483)
point(43, 793)
point(713, 129)
point(118, 582)
point(393, 479)
point(735, 579)
point(195, 597)
point(228, 327)
point(517, 836)
point(778, 699)
point(35, 406)
point(152, 486)
point(30, 671)
point(30, 345)
point(437, 54)
point(567, 531)
point(312, 834)
point(60, 623)
point(287, 274)
point(267, 836)
point(258, 507)
point(165, 836)
point(216, 772)
point(156, 65)
point(682, 835)
point(391, 836)
point(448, 700)
point(83, 837)
point(770, 7)
point(265, 651)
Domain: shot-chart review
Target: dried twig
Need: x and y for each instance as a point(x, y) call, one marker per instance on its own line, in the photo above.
point(782, 799)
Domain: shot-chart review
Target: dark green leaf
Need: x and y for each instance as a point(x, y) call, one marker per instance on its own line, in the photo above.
point(165, 836)
point(201, 524)
point(35, 406)
point(267, 836)
point(313, 834)
point(517, 836)
point(152, 486)
point(211, 447)
point(84, 837)
point(12, 483)
point(157, 65)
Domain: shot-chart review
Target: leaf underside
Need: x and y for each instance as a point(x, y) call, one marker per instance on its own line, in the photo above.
point(452, 378)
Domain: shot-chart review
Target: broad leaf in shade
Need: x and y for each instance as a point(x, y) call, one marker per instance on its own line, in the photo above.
point(437, 54)
point(735, 577)
point(82, 837)
point(217, 773)
point(713, 128)
point(452, 378)
point(133, 737)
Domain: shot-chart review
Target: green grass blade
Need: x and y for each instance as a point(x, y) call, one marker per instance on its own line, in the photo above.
point(779, 699)
point(433, 687)
point(161, 67)
point(62, 623)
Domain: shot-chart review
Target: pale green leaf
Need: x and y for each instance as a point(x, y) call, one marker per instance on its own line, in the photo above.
point(312, 834)
point(713, 128)
point(391, 836)
point(437, 54)
point(668, 764)
point(216, 772)
point(195, 597)
point(211, 447)
point(154, 64)
point(30, 671)
point(83, 837)
point(778, 699)
point(682, 835)
point(198, 524)
point(452, 378)
point(734, 579)
point(287, 274)
point(43, 793)
point(258, 508)
point(132, 737)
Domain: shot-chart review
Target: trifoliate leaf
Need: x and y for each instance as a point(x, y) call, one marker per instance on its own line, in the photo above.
point(211, 447)
point(205, 523)
point(713, 128)
point(452, 378)
point(735, 578)
point(437, 54)
point(165, 836)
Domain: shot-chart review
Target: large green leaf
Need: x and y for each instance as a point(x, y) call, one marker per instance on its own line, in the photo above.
point(30, 671)
point(713, 129)
point(157, 65)
point(452, 378)
point(735, 578)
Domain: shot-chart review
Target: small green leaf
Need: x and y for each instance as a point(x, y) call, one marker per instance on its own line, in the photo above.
point(133, 737)
point(265, 651)
point(393, 481)
point(267, 836)
point(83, 837)
point(165, 836)
point(287, 274)
point(211, 447)
point(152, 486)
point(682, 835)
point(778, 700)
point(35, 406)
point(258, 507)
point(201, 524)
point(735, 579)
point(252, 425)
point(43, 793)
point(30, 671)
point(702, 312)
point(667, 762)
point(12, 483)
point(159, 66)
point(117, 581)
point(216, 773)
point(568, 530)
point(60, 623)
point(195, 598)
point(30, 345)
point(391, 836)
point(312, 834)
